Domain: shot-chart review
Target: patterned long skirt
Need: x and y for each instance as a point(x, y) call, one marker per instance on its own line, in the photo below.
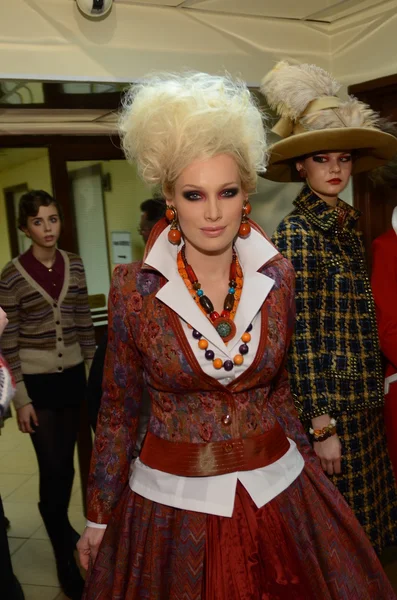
point(367, 480)
point(305, 544)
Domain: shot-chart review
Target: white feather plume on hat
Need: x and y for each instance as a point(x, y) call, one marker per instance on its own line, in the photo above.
point(290, 88)
point(313, 119)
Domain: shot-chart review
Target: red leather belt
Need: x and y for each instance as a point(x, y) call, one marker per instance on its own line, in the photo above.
point(214, 458)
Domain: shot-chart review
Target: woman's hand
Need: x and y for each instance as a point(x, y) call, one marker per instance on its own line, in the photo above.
point(3, 321)
point(88, 545)
point(330, 453)
point(26, 415)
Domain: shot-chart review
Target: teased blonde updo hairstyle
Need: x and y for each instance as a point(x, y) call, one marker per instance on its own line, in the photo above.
point(169, 120)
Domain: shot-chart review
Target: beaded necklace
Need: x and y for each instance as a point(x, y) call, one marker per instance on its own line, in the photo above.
point(223, 323)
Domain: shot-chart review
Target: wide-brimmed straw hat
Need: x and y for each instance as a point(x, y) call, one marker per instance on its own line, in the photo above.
point(313, 119)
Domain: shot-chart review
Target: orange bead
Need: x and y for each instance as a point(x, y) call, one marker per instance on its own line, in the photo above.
point(244, 230)
point(218, 363)
point(170, 214)
point(238, 359)
point(203, 344)
point(247, 208)
point(246, 337)
point(174, 236)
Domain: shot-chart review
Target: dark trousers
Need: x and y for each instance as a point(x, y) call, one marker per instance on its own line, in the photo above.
point(54, 443)
point(9, 585)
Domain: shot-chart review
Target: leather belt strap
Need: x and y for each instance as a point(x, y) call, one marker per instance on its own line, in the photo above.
point(214, 458)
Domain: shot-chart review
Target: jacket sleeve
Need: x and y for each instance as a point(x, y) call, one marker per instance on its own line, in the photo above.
point(10, 338)
point(83, 319)
point(384, 287)
point(304, 361)
point(119, 411)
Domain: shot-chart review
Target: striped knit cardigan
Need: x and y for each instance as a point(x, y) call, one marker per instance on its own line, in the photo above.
point(45, 335)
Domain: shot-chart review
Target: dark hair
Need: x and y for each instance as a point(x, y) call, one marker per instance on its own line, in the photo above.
point(29, 205)
point(154, 208)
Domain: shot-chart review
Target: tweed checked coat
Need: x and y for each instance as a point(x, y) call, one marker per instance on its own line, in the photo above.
point(334, 361)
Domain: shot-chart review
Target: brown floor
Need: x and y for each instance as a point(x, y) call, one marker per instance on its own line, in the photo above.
point(32, 557)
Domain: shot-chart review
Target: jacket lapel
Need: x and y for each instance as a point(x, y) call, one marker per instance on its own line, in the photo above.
point(253, 254)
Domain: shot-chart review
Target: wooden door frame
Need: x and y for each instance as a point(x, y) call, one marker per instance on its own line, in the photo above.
point(62, 149)
point(381, 95)
point(12, 224)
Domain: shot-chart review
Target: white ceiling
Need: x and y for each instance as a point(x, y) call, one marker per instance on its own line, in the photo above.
point(326, 11)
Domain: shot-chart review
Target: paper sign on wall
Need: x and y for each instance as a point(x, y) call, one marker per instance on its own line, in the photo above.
point(121, 247)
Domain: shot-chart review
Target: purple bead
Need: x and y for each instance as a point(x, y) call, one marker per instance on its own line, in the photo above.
point(196, 334)
point(243, 349)
point(209, 354)
point(228, 365)
point(249, 328)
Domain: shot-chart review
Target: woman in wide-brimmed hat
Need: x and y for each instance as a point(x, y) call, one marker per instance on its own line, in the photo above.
point(334, 362)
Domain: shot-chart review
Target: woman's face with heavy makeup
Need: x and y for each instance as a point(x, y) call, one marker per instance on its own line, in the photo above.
point(209, 197)
point(327, 173)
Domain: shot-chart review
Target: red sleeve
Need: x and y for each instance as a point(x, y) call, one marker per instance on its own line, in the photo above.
point(116, 431)
point(384, 287)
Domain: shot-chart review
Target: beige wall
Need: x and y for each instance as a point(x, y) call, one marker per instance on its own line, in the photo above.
point(36, 174)
point(122, 212)
point(122, 203)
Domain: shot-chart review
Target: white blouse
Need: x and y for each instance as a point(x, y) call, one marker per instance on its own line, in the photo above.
point(215, 494)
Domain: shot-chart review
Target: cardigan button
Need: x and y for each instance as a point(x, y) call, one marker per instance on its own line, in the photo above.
point(228, 447)
point(226, 420)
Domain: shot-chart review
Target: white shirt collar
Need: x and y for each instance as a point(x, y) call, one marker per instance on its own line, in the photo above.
point(253, 253)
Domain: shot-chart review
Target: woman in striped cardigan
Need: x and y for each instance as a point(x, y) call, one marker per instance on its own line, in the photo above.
point(49, 337)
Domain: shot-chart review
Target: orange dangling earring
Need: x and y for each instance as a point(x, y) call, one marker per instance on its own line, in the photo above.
point(245, 227)
point(174, 234)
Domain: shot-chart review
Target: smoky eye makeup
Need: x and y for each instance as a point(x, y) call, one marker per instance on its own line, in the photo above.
point(322, 158)
point(230, 192)
point(192, 195)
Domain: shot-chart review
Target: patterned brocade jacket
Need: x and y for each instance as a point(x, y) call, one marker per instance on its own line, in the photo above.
point(334, 360)
point(147, 345)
